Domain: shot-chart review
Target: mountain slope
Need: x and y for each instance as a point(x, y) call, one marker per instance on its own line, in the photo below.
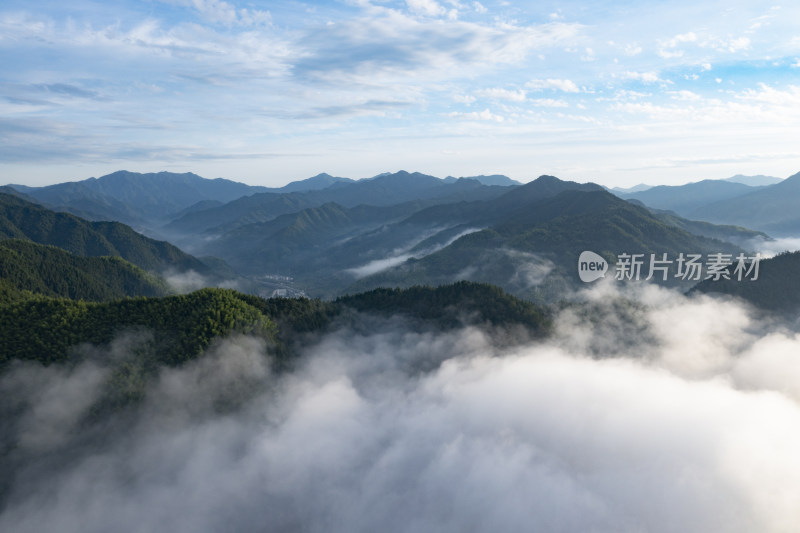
point(137, 198)
point(730, 233)
point(772, 209)
point(493, 179)
point(514, 240)
point(384, 190)
point(759, 180)
point(284, 242)
point(777, 287)
point(534, 254)
point(181, 326)
point(314, 183)
point(51, 271)
point(20, 219)
point(510, 203)
point(687, 199)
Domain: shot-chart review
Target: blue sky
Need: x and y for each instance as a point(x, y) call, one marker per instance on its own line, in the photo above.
point(617, 92)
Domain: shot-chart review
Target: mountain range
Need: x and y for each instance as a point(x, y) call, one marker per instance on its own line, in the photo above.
point(525, 240)
point(330, 235)
point(760, 203)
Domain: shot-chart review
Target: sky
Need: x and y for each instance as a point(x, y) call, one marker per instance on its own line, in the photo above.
point(616, 92)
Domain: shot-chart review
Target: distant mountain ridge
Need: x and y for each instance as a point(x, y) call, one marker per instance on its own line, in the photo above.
point(773, 209)
point(689, 198)
point(532, 252)
point(493, 179)
point(759, 180)
point(382, 190)
point(134, 198)
point(513, 238)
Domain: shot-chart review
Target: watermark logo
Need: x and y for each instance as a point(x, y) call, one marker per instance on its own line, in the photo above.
point(691, 267)
point(591, 266)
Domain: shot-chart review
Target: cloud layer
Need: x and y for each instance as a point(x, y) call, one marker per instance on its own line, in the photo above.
point(661, 413)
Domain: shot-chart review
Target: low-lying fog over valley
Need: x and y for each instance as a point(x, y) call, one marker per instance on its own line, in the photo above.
point(646, 410)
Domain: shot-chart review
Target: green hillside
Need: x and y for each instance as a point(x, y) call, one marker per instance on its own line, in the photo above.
point(51, 271)
point(772, 209)
point(777, 287)
point(533, 253)
point(20, 219)
point(452, 305)
point(173, 330)
point(45, 329)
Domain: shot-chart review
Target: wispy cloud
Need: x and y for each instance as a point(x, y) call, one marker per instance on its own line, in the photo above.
point(224, 74)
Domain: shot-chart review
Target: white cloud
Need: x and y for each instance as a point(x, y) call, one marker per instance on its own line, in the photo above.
point(787, 99)
point(549, 102)
point(646, 77)
point(688, 37)
point(680, 414)
point(567, 86)
point(477, 115)
point(668, 48)
point(221, 12)
point(632, 49)
point(429, 8)
point(503, 94)
point(733, 45)
point(685, 95)
point(670, 54)
point(464, 98)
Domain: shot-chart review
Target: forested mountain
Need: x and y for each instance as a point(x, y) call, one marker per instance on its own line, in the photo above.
point(492, 179)
point(452, 305)
point(383, 190)
point(524, 240)
point(772, 209)
point(777, 287)
point(314, 183)
point(51, 271)
point(619, 191)
point(734, 234)
point(136, 198)
point(324, 241)
point(759, 180)
point(272, 244)
point(20, 219)
point(511, 203)
point(533, 253)
point(175, 329)
point(761, 203)
point(690, 199)
point(396, 229)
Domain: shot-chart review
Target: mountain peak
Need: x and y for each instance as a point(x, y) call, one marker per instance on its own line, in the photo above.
point(754, 181)
point(793, 177)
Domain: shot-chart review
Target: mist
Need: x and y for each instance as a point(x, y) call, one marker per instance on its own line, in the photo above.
point(646, 411)
point(772, 247)
point(400, 256)
point(191, 280)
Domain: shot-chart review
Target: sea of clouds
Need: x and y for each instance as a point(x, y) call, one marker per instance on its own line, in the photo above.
point(646, 411)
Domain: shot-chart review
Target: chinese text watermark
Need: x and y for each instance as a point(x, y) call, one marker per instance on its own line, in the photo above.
point(689, 267)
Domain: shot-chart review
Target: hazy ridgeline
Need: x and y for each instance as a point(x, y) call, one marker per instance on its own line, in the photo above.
point(642, 411)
